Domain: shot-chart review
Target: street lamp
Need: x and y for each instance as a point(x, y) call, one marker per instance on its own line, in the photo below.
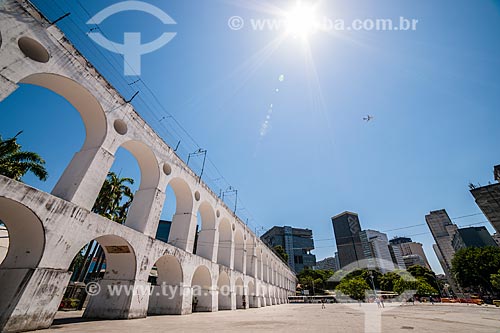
point(373, 284)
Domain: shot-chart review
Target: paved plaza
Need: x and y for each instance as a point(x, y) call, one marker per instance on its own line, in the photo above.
point(305, 318)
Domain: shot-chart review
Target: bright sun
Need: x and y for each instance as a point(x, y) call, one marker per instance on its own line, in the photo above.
point(301, 21)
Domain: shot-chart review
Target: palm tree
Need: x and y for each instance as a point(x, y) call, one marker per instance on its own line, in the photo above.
point(110, 203)
point(15, 163)
point(113, 202)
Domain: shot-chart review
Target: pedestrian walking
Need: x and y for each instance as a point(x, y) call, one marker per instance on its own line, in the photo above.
point(381, 299)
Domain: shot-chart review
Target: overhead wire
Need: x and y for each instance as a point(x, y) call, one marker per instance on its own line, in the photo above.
point(157, 112)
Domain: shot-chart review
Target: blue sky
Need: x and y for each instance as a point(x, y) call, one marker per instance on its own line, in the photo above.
point(433, 93)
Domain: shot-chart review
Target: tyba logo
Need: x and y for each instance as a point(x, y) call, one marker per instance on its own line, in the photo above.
point(132, 49)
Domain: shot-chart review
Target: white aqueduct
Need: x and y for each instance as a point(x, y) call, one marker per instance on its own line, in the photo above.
point(48, 230)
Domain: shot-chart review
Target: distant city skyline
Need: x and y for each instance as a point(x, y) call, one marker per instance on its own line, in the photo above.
point(433, 95)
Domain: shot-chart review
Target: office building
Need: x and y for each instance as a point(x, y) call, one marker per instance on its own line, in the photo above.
point(376, 250)
point(414, 259)
point(163, 230)
point(472, 237)
point(400, 240)
point(488, 199)
point(396, 256)
point(346, 228)
point(298, 244)
point(337, 261)
point(410, 248)
point(414, 248)
point(443, 230)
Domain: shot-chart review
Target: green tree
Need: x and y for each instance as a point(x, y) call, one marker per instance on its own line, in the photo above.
point(424, 273)
point(314, 280)
point(355, 287)
point(495, 280)
point(473, 267)
point(280, 251)
point(115, 198)
point(388, 279)
point(424, 288)
point(367, 274)
point(15, 163)
point(113, 202)
point(404, 284)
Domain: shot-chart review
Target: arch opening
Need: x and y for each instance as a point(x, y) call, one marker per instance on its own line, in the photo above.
point(24, 234)
point(225, 243)
point(205, 231)
point(224, 292)
point(201, 284)
point(91, 111)
point(252, 295)
point(166, 279)
point(241, 297)
point(138, 211)
point(119, 190)
point(239, 251)
point(178, 209)
point(106, 260)
point(251, 259)
point(41, 134)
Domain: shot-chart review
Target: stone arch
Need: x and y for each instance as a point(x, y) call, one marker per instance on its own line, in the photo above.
point(251, 258)
point(201, 285)
point(263, 299)
point(169, 280)
point(206, 236)
point(120, 255)
point(225, 243)
point(182, 229)
point(95, 123)
point(148, 164)
point(224, 291)
point(259, 264)
point(26, 235)
point(120, 269)
point(241, 295)
point(141, 215)
point(252, 295)
point(271, 272)
point(239, 251)
point(265, 268)
point(26, 246)
point(91, 111)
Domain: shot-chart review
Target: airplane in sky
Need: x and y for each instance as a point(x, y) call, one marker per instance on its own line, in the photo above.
point(368, 118)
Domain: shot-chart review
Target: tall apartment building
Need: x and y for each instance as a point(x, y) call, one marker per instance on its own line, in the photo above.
point(346, 228)
point(376, 250)
point(488, 199)
point(443, 230)
point(298, 244)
